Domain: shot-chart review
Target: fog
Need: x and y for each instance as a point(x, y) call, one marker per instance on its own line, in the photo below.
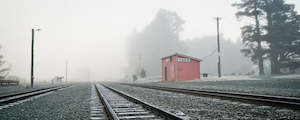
point(94, 36)
point(232, 60)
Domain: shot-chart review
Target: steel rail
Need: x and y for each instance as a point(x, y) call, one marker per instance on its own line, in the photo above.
point(166, 114)
point(108, 109)
point(21, 96)
point(21, 93)
point(276, 101)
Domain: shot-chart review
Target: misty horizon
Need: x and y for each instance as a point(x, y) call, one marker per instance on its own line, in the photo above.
point(92, 36)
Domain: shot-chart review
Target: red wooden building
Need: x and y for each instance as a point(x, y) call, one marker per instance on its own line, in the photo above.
point(179, 67)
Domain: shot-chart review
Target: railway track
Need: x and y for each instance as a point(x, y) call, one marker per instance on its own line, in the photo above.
point(12, 99)
point(117, 105)
point(276, 101)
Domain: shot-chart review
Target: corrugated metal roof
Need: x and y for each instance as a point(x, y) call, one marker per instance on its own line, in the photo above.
point(182, 55)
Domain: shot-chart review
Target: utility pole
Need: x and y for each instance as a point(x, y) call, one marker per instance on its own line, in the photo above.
point(32, 60)
point(139, 63)
point(218, 38)
point(66, 71)
point(32, 56)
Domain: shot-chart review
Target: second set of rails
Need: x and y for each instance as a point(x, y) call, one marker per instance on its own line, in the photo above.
point(276, 101)
point(12, 99)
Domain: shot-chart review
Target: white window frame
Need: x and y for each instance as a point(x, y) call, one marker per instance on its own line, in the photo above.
point(167, 59)
point(181, 59)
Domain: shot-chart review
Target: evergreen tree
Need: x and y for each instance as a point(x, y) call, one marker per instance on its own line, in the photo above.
point(134, 77)
point(282, 33)
point(143, 73)
point(251, 34)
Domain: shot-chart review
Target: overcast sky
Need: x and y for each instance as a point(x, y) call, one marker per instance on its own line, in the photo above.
point(91, 34)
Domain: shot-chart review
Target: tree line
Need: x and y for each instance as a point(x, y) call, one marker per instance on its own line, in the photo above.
point(161, 38)
point(3, 70)
point(273, 36)
point(274, 33)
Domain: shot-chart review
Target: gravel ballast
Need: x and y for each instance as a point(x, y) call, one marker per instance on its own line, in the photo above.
point(70, 103)
point(207, 108)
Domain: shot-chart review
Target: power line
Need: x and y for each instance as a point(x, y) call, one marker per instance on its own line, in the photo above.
point(214, 51)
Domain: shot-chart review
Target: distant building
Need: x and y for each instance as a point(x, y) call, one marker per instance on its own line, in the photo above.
point(179, 67)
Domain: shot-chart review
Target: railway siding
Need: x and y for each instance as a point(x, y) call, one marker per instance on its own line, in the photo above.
point(278, 101)
point(71, 103)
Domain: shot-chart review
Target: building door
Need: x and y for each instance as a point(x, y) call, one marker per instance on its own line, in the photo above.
point(166, 74)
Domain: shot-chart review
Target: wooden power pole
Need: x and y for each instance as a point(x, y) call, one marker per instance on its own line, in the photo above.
point(218, 38)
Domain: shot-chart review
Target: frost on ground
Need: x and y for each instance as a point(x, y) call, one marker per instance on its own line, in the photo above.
point(207, 108)
point(70, 104)
point(251, 77)
point(10, 89)
point(276, 85)
point(223, 78)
